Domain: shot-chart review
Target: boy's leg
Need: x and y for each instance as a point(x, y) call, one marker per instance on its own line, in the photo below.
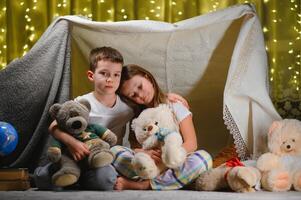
point(43, 177)
point(102, 178)
point(194, 165)
point(123, 161)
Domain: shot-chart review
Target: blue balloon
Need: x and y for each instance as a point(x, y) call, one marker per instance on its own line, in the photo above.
point(8, 138)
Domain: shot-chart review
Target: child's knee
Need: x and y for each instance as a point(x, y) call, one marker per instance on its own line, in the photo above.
point(203, 157)
point(106, 177)
point(116, 150)
point(102, 178)
point(43, 177)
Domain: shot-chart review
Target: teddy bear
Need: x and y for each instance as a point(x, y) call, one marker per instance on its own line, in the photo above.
point(72, 117)
point(233, 174)
point(281, 166)
point(157, 128)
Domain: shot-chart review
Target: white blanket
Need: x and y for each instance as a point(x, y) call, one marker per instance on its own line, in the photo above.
point(180, 55)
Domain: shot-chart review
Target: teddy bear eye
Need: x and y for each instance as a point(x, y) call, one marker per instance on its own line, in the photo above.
point(293, 140)
point(156, 123)
point(73, 114)
point(144, 129)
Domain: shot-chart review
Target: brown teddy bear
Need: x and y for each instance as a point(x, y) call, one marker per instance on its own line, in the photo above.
point(281, 166)
point(232, 175)
point(72, 117)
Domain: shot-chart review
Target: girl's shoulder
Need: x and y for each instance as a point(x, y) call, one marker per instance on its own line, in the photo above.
point(180, 111)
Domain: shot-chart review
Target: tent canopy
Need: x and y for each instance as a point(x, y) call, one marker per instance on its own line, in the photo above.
point(217, 61)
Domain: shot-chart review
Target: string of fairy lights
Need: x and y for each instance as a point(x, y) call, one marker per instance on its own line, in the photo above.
point(283, 45)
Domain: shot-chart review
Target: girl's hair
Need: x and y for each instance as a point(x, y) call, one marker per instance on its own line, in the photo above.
point(131, 70)
point(104, 53)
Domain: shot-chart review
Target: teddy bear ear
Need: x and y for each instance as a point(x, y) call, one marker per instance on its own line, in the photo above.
point(275, 125)
point(85, 103)
point(133, 124)
point(54, 109)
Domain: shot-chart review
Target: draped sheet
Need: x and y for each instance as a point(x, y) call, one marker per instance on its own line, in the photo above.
point(217, 61)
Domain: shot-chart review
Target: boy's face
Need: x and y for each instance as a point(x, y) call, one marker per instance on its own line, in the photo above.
point(106, 77)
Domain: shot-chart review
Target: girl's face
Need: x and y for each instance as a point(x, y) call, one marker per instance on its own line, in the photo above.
point(139, 89)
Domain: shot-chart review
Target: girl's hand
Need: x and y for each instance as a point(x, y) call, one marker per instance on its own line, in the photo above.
point(172, 97)
point(78, 149)
point(155, 154)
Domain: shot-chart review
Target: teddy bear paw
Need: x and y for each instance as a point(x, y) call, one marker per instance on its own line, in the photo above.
point(297, 181)
point(210, 181)
point(102, 158)
point(111, 138)
point(64, 180)
point(277, 181)
point(174, 158)
point(247, 189)
point(145, 166)
point(243, 179)
point(54, 154)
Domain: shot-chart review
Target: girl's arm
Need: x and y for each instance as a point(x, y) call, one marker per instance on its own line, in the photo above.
point(153, 153)
point(188, 133)
point(77, 148)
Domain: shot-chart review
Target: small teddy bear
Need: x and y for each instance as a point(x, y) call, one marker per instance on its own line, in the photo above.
point(157, 128)
point(281, 166)
point(232, 175)
point(72, 117)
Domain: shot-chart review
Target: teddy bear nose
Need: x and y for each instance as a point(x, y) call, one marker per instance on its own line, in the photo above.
point(288, 146)
point(76, 125)
point(149, 128)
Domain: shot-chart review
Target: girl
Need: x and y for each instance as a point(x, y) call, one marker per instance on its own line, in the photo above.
point(138, 86)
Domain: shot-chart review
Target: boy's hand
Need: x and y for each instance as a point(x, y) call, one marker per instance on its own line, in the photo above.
point(172, 97)
point(78, 150)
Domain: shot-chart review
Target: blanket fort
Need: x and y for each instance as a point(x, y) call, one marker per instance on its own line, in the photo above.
point(217, 61)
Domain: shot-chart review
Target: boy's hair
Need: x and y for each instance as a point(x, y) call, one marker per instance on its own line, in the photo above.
point(106, 54)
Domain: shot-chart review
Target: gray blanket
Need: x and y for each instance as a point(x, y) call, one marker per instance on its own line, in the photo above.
point(29, 86)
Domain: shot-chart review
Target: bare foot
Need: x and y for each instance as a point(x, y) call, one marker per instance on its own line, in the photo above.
point(126, 184)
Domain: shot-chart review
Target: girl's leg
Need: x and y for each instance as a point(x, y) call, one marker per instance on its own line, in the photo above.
point(123, 183)
point(123, 164)
point(102, 178)
point(123, 161)
point(195, 164)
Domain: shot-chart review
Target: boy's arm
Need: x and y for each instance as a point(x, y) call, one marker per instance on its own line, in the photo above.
point(173, 97)
point(77, 148)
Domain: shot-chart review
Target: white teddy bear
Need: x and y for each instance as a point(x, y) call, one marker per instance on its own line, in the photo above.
point(157, 127)
point(281, 167)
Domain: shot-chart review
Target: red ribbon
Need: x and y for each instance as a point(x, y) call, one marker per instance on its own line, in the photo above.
point(233, 162)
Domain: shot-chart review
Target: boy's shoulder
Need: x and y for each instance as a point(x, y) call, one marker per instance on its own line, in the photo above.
point(121, 106)
point(122, 103)
point(87, 96)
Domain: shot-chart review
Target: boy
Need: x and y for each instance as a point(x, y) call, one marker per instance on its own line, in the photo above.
point(107, 109)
